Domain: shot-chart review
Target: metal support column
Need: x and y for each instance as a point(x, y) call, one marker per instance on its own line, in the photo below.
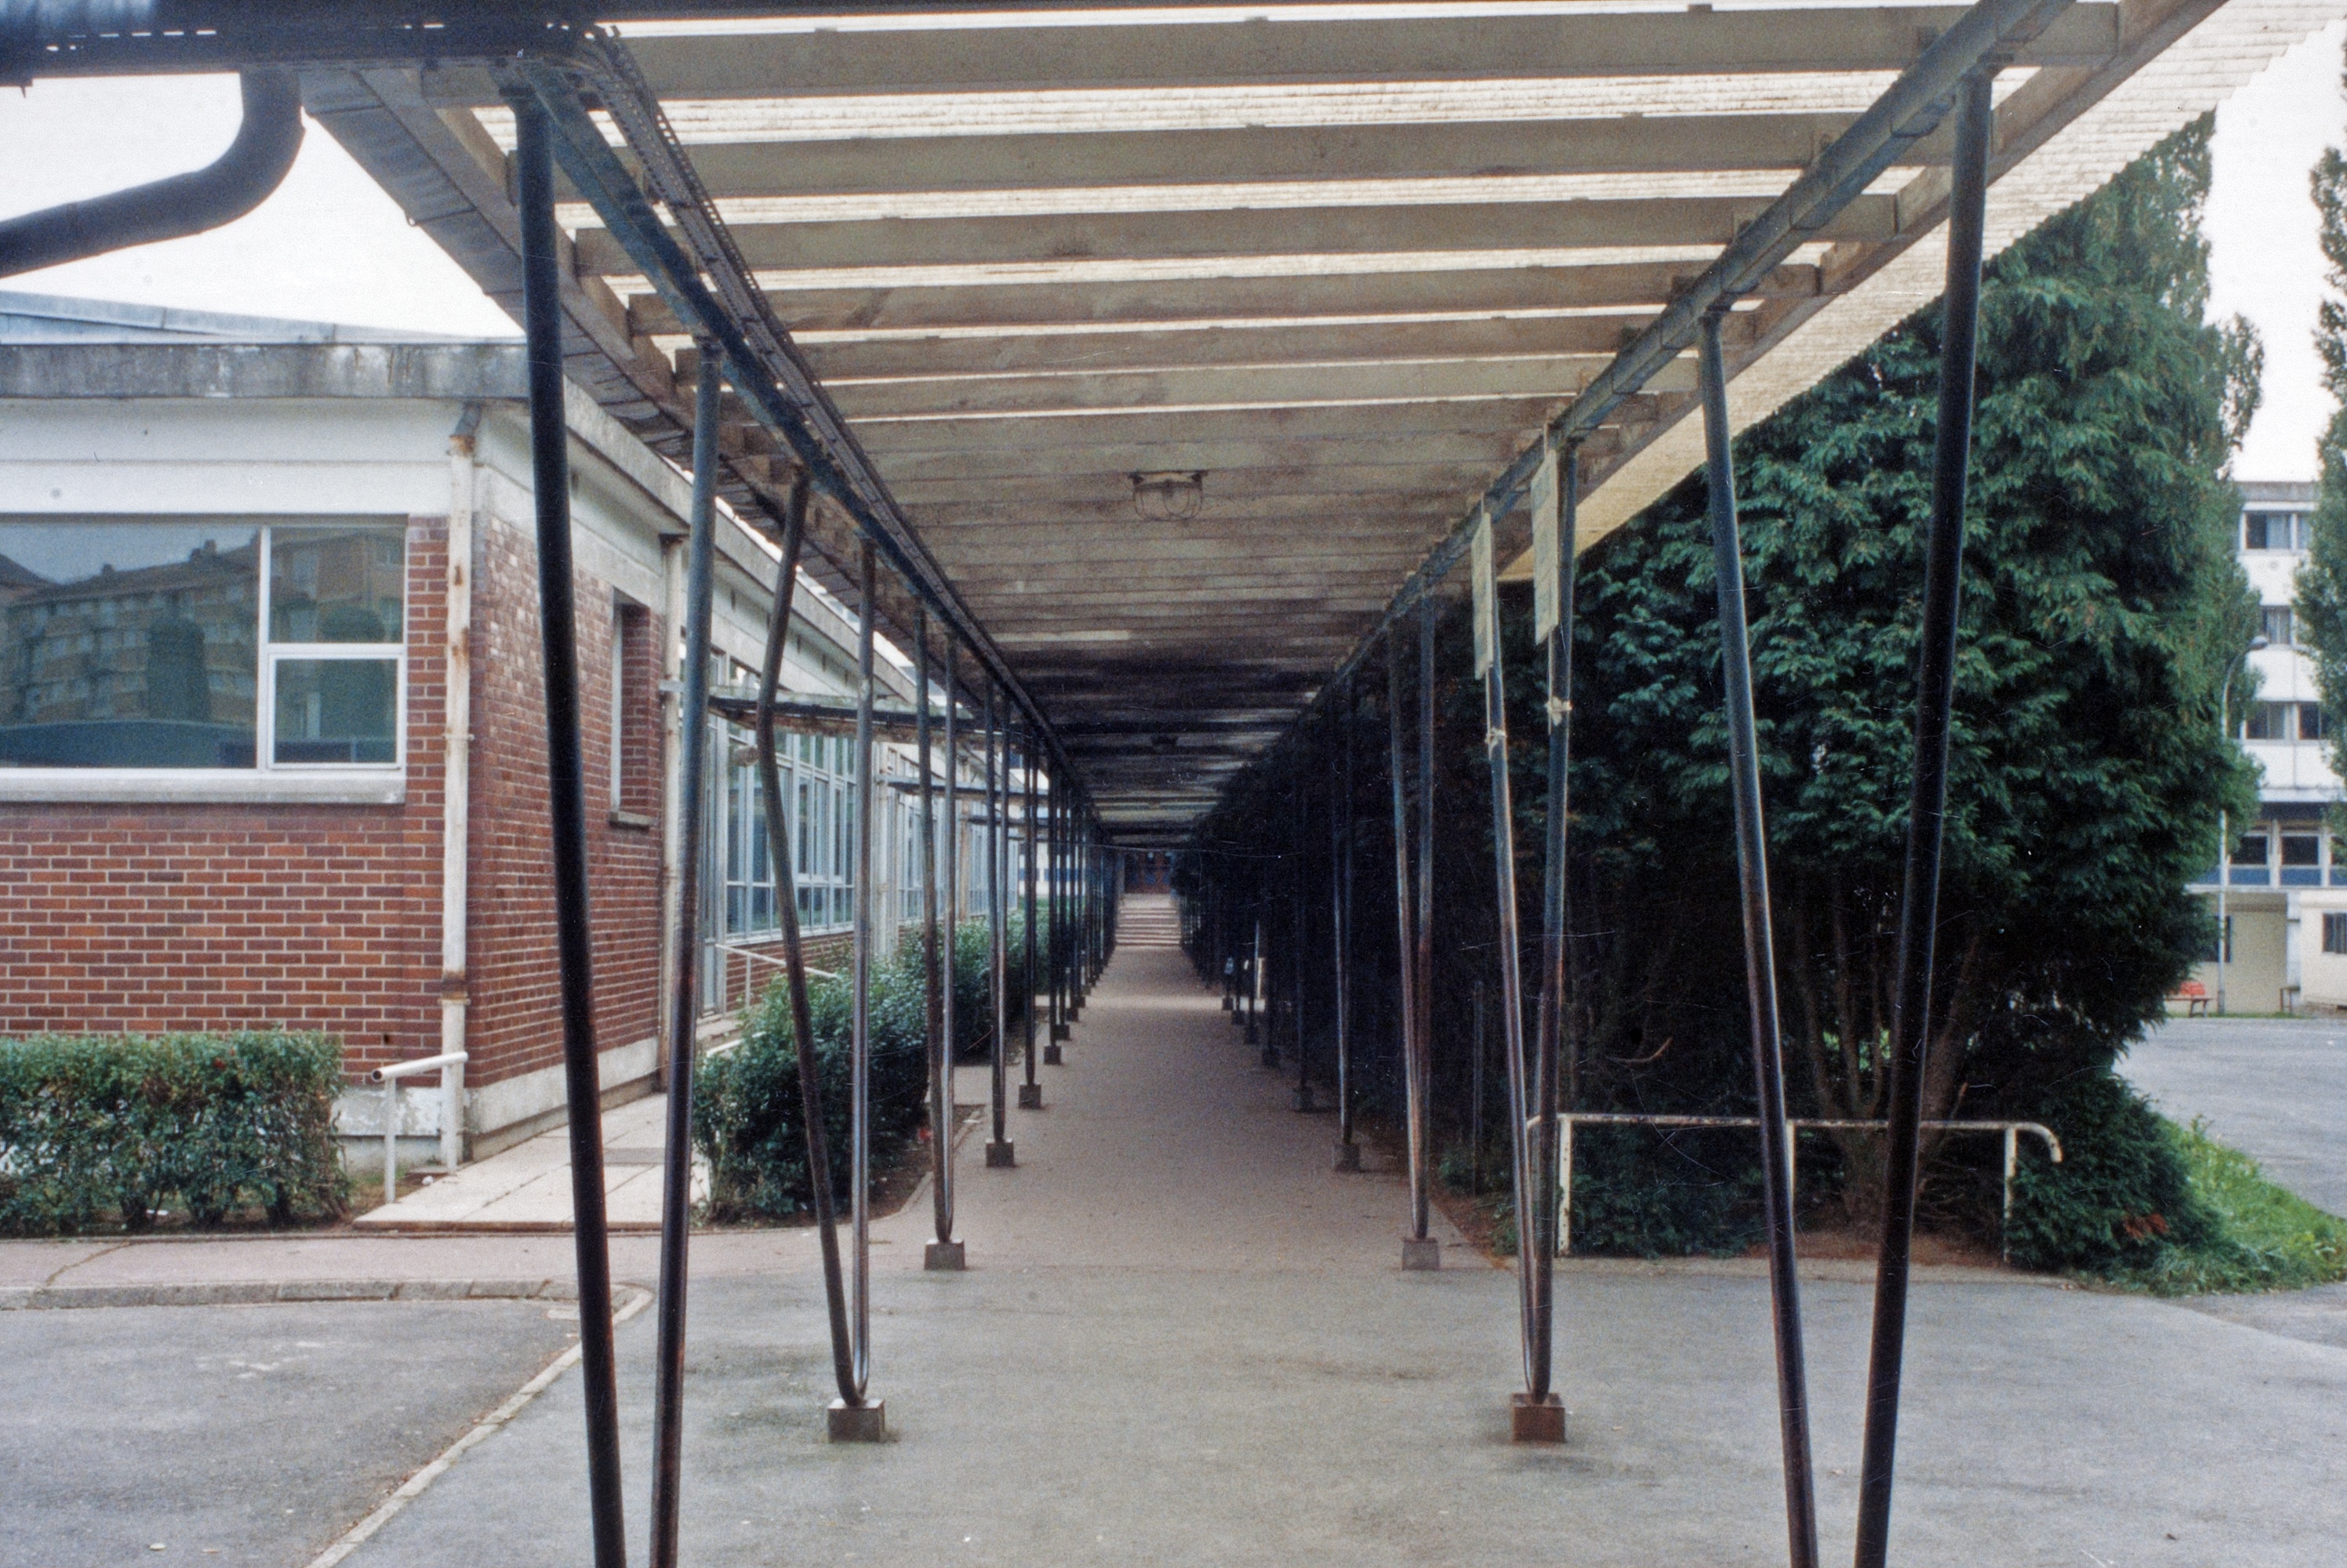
point(1418, 1250)
point(1000, 1152)
point(566, 788)
point(778, 852)
point(1056, 933)
point(861, 1417)
point(1340, 871)
point(1926, 810)
point(1555, 521)
point(943, 1252)
point(1760, 959)
point(1536, 1416)
point(1295, 967)
point(1030, 1093)
point(676, 1176)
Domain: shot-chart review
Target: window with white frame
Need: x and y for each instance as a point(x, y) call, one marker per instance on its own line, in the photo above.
point(199, 642)
point(818, 812)
point(2275, 530)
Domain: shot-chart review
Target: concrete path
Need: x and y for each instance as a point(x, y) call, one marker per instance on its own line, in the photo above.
point(2274, 1089)
point(527, 1187)
point(1184, 1340)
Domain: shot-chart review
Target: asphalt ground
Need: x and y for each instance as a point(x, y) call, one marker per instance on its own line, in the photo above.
point(2275, 1089)
point(249, 1435)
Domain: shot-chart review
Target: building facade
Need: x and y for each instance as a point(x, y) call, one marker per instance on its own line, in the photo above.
point(2285, 879)
point(272, 722)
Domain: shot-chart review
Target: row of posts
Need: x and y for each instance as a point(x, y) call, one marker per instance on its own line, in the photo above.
point(1068, 887)
point(1241, 936)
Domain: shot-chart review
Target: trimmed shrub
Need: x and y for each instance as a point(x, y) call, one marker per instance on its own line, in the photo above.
point(2121, 1198)
point(746, 1101)
point(98, 1128)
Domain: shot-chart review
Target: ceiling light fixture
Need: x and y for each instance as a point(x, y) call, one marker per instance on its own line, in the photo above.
point(1169, 497)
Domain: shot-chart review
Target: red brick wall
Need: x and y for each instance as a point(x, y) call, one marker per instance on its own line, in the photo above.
point(155, 917)
point(514, 1024)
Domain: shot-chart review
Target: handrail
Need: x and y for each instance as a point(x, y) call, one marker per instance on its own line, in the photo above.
point(390, 1078)
point(2012, 1130)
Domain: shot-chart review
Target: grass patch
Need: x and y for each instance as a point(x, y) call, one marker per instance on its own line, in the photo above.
point(2263, 1237)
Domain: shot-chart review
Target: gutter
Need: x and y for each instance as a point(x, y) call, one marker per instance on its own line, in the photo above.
point(232, 185)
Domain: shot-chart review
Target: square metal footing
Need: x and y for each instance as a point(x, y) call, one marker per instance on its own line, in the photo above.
point(1051, 1057)
point(1535, 1423)
point(1059, 1030)
point(1300, 1099)
point(1030, 1097)
point(942, 1257)
point(1417, 1254)
point(1228, 1006)
point(1001, 1155)
point(1270, 1056)
point(864, 1424)
point(1075, 1012)
point(1346, 1157)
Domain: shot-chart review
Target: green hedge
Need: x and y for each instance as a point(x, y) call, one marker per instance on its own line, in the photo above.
point(746, 1101)
point(109, 1129)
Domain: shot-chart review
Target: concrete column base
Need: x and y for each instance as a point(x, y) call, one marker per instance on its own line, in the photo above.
point(1051, 1057)
point(1030, 1097)
point(942, 1257)
point(1417, 1254)
point(1059, 1030)
point(864, 1424)
point(1535, 1423)
point(1001, 1155)
point(1228, 1006)
point(1346, 1157)
point(1300, 1099)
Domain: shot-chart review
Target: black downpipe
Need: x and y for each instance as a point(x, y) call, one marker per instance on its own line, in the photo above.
point(787, 902)
point(223, 191)
point(566, 810)
point(1927, 809)
point(1760, 959)
point(676, 1212)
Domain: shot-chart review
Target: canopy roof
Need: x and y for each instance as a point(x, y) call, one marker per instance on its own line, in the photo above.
point(1346, 262)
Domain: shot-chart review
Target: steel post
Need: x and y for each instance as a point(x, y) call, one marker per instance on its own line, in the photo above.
point(998, 861)
point(1029, 871)
point(949, 875)
point(859, 1049)
point(1927, 810)
point(939, 1055)
point(1414, 1085)
point(676, 1176)
point(1530, 1233)
point(1297, 885)
point(1759, 959)
point(1340, 838)
point(1548, 1054)
point(821, 1197)
point(549, 441)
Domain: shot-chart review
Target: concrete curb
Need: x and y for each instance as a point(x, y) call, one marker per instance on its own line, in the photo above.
point(35, 1298)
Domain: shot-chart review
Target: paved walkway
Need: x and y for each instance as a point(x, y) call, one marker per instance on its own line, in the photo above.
point(2272, 1088)
point(1184, 1340)
point(527, 1187)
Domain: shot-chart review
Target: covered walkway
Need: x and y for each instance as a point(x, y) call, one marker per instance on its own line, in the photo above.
point(1182, 1340)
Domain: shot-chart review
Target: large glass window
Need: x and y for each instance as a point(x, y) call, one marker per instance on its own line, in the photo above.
point(818, 803)
point(200, 643)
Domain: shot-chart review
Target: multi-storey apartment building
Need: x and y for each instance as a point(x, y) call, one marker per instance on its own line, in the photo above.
point(2285, 882)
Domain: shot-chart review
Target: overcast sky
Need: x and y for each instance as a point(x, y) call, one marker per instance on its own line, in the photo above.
point(331, 246)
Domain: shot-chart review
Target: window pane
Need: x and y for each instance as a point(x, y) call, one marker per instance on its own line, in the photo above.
point(336, 710)
point(2310, 726)
point(338, 584)
point(2301, 849)
point(129, 645)
point(2280, 625)
point(2270, 722)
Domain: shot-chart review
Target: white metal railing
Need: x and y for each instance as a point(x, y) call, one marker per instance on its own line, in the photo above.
point(2012, 1130)
point(452, 1134)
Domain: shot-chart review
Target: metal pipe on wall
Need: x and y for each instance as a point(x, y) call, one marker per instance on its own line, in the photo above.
point(1760, 959)
point(549, 442)
point(455, 778)
point(676, 1176)
point(1927, 809)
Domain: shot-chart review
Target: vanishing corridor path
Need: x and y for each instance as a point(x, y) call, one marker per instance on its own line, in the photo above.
point(1182, 1340)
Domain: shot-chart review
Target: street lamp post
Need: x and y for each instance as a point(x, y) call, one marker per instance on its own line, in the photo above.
point(2225, 826)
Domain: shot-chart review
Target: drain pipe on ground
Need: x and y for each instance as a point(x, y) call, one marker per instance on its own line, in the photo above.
point(235, 183)
point(455, 779)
